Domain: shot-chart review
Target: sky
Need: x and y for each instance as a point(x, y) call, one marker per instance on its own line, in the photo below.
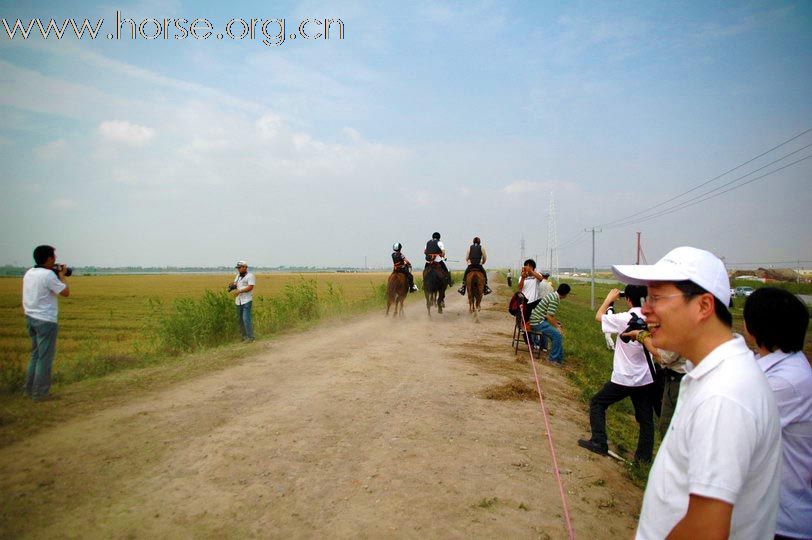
point(466, 118)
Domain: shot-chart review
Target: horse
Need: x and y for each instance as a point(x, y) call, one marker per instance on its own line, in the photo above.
point(475, 286)
point(434, 285)
point(396, 291)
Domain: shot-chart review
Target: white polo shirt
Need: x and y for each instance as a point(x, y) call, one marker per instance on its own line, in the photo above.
point(40, 289)
point(629, 366)
point(242, 282)
point(790, 377)
point(724, 442)
point(530, 289)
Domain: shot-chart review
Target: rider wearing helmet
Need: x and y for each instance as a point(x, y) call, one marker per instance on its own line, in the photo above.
point(475, 258)
point(402, 265)
point(435, 252)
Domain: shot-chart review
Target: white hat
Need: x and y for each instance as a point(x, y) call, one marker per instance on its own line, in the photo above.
point(240, 263)
point(680, 264)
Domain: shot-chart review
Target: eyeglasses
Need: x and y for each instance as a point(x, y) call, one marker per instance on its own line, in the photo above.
point(652, 299)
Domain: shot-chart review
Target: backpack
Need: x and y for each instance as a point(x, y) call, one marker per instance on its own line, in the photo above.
point(516, 303)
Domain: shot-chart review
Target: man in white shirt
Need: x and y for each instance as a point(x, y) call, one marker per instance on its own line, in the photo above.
point(529, 282)
point(716, 474)
point(41, 286)
point(243, 289)
point(776, 320)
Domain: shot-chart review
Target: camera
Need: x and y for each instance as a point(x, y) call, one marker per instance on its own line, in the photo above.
point(232, 286)
point(622, 294)
point(635, 323)
point(58, 268)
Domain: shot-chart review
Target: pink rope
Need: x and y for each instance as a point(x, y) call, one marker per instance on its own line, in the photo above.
point(567, 520)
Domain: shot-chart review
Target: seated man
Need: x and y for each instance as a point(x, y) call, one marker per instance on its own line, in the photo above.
point(776, 320)
point(402, 265)
point(543, 321)
point(475, 258)
point(435, 252)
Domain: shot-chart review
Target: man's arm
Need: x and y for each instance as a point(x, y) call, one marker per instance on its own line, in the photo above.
point(484, 256)
point(468, 256)
point(555, 322)
point(613, 295)
point(66, 291)
point(706, 518)
point(642, 336)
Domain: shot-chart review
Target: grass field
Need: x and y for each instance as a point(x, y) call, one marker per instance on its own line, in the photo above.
point(114, 318)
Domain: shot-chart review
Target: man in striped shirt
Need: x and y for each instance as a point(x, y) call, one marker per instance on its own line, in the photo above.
point(543, 321)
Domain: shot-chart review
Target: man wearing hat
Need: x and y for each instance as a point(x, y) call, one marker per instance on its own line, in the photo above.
point(716, 474)
point(243, 288)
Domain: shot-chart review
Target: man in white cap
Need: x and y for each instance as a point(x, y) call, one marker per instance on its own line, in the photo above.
point(243, 288)
point(716, 474)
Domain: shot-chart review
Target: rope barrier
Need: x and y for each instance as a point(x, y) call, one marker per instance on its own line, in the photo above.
point(567, 520)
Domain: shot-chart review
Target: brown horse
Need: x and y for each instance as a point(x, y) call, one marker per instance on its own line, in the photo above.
point(475, 285)
point(434, 285)
point(396, 291)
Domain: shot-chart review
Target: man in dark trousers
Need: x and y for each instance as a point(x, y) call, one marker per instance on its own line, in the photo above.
point(631, 377)
point(435, 252)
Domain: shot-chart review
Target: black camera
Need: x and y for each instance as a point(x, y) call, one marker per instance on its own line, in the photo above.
point(635, 323)
point(232, 286)
point(58, 267)
point(622, 294)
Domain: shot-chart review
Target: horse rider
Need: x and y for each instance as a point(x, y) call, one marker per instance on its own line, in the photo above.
point(402, 265)
point(435, 252)
point(475, 258)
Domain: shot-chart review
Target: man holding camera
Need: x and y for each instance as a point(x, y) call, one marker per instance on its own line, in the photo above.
point(41, 286)
point(631, 377)
point(242, 287)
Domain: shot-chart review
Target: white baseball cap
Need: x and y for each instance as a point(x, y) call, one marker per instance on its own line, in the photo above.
point(240, 263)
point(680, 264)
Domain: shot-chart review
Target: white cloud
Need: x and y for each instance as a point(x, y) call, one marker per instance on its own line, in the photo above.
point(63, 204)
point(125, 132)
point(53, 150)
point(521, 186)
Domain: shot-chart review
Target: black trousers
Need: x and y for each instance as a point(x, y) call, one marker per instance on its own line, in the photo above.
point(641, 396)
point(409, 275)
point(475, 267)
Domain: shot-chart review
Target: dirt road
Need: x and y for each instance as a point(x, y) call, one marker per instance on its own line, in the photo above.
point(370, 428)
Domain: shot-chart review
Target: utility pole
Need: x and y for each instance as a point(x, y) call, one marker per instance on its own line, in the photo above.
point(638, 248)
point(592, 297)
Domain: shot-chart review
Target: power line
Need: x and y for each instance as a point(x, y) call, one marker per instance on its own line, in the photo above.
point(686, 205)
point(699, 198)
point(574, 240)
point(709, 181)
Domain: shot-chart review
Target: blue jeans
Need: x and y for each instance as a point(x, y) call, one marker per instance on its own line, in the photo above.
point(550, 332)
point(538, 340)
point(245, 320)
point(43, 350)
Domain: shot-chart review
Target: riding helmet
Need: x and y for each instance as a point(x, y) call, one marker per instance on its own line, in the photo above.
point(396, 246)
point(436, 236)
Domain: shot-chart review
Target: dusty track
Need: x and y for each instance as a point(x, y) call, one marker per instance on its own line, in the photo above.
point(370, 429)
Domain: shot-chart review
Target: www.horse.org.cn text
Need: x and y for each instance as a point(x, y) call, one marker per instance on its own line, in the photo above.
point(267, 31)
